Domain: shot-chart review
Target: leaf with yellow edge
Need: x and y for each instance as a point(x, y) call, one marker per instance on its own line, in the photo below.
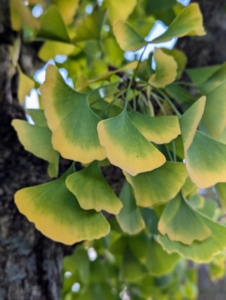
point(67, 9)
point(118, 9)
point(221, 192)
point(166, 69)
point(91, 27)
point(24, 13)
point(215, 111)
point(176, 214)
point(179, 57)
point(53, 27)
point(50, 49)
point(200, 252)
point(188, 22)
point(26, 84)
point(57, 214)
point(73, 124)
point(92, 190)
point(204, 170)
point(37, 140)
point(158, 261)
point(158, 186)
point(160, 130)
point(127, 38)
point(129, 218)
point(190, 120)
point(126, 147)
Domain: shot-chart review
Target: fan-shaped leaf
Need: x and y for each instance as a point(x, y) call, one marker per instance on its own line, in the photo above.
point(127, 38)
point(57, 214)
point(73, 124)
point(129, 218)
point(188, 22)
point(126, 147)
point(166, 69)
point(199, 251)
point(37, 140)
point(160, 130)
point(118, 9)
point(92, 190)
point(178, 213)
point(158, 261)
point(158, 186)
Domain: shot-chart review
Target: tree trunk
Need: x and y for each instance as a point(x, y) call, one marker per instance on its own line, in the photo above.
point(30, 264)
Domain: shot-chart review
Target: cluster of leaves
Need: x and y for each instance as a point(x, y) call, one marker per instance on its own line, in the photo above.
point(141, 120)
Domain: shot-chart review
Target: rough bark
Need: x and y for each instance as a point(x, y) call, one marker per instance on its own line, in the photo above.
point(30, 264)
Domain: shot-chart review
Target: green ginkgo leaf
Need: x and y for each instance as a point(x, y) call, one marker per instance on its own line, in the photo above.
point(160, 130)
point(201, 75)
point(188, 22)
point(201, 252)
point(179, 57)
point(90, 28)
point(166, 69)
point(215, 110)
point(57, 214)
point(189, 188)
point(73, 124)
point(92, 190)
point(177, 213)
point(190, 120)
point(131, 269)
point(118, 9)
point(53, 27)
point(158, 261)
point(127, 38)
point(204, 170)
point(158, 186)
point(37, 140)
point(37, 116)
point(126, 147)
point(221, 192)
point(129, 218)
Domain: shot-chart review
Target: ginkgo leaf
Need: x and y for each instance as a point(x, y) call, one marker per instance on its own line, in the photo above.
point(215, 111)
point(158, 261)
point(50, 49)
point(178, 213)
point(131, 269)
point(160, 130)
point(26, 84)
point(25, 14)
point(221, 192)
point(67, 9)
point(188, 22)
point(204, 170)
point(190, 120)
point(129, 218)
point(57, 214)
point(37, 116)
point(37, 140)
point(118, 9)
point(189, 188)
point(90, 29)
point(179, 57)
point(158, 186)
point(166, 69)
point(73, 124)
point(127, 38)
point(126, 147)
point(53, 27)
point(92, 190)
point(199, 76)
point(199, 251)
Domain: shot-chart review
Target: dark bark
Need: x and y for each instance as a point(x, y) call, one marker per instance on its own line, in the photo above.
point(30, 264)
